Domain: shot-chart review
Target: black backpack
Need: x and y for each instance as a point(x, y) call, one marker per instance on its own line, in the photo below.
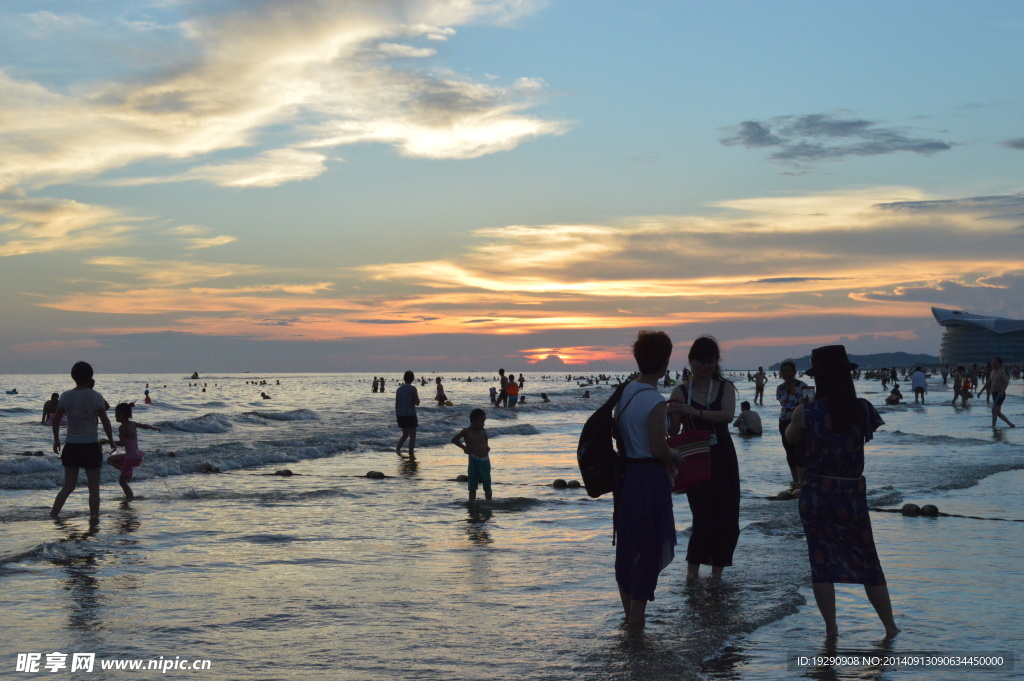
point(598, 451)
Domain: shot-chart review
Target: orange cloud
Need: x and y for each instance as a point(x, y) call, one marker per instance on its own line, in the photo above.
point(641, 273)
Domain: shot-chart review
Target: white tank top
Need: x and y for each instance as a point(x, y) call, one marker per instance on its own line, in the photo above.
point(638, 399)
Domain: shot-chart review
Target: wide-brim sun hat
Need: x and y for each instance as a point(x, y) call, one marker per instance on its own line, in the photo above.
point(831, 359)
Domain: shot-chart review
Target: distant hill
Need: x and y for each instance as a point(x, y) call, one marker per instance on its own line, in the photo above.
point(875, 361)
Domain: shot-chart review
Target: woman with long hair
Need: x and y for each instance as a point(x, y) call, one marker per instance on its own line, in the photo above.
point(709, 400)
point(833, 499)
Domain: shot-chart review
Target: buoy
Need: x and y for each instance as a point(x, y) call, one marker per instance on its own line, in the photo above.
point(573, 484)
point(171, 454)
point(375, 475)
point(448, 403)
point(461, 478)
point(783, 495)
point(930, 510)
point(910, 510)
point(795, 494)
point(208, 467)
point(283, 472)
point(559, 484)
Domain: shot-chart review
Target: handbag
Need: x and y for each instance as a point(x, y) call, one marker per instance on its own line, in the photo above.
point(695, 447)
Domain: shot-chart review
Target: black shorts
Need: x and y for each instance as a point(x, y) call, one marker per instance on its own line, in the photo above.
point(407, 421)
point(794, 451)
point(82, 455)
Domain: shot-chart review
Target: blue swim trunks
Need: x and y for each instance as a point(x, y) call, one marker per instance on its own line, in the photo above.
point(479, 473)
point(512, 399)
point(998, 397)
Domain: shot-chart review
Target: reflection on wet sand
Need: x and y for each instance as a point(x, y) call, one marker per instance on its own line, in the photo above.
point(81, 580)
point(476, 525)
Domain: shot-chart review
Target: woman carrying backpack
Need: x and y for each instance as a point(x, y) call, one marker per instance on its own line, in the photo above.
point(644, 523)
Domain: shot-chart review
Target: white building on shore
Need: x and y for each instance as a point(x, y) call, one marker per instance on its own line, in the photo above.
point(976, 339)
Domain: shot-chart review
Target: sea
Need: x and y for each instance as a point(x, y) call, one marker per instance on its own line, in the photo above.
point(250, 572)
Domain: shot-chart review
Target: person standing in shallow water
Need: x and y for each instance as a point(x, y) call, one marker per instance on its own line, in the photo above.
point(406, 401)
point(644, 524)
point(788, 395)
point(709, 401)
point(833, 499)
point(997, 383)
point(760, 380)
point(83, 406)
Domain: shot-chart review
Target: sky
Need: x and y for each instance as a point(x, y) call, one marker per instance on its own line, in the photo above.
point(462, 185)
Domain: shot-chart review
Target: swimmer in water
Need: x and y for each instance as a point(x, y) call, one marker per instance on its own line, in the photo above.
point(49, 407)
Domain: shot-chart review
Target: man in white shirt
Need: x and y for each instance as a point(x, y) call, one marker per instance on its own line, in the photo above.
point(920, 384)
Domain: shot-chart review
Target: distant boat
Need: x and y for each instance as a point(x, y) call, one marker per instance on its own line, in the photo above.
point(195, 375)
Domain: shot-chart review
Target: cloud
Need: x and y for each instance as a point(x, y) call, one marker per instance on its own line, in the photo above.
point(46, 22)
point(53, 346)
point(787, 265)
point(46, 225)
point(268, 169)
point(315, 72)
point(1017, 143)
point(1000, 295)
point(209, 242)
point(171, 273)
point(405, 51)
point(801, 140)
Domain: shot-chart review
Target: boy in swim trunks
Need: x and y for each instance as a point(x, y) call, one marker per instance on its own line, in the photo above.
point(475, 439)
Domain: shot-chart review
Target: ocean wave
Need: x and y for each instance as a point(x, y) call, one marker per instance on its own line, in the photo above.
point(518, 429)
point(921, 438)
point(208, 423)
point(17, 410)
point(294, 415)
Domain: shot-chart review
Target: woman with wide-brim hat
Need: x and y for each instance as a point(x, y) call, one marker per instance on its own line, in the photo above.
point(833, 499)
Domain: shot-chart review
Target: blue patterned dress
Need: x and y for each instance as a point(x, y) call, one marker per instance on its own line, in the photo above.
point(833, 500)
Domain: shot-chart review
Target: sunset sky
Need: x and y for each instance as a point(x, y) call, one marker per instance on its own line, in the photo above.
point(301, 185)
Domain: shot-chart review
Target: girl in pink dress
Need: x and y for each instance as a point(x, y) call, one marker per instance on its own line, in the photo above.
point(132, 457)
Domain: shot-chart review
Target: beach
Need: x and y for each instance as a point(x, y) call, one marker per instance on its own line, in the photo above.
point(325, 573)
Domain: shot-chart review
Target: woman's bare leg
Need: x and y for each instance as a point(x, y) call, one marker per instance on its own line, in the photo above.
point(70, 482)
point(92, 477)
point(716, 574)
point(637, 614)
point(879, 597)
point(825, 597)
